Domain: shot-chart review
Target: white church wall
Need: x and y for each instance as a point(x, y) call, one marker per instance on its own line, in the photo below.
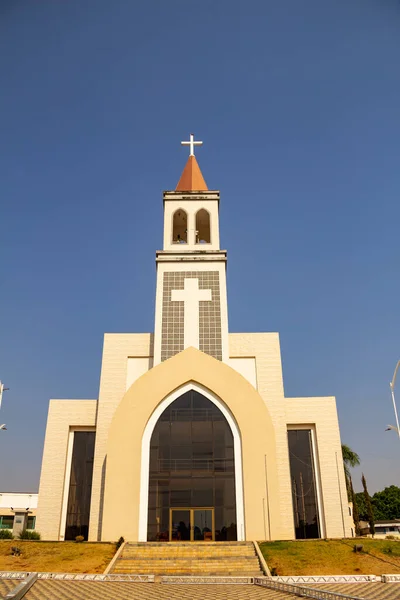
point(246, 367)
point(114, 372)
point(265, 347)
point(320, 414)
point(63, 415)
point(136, 367)
point(191, 207)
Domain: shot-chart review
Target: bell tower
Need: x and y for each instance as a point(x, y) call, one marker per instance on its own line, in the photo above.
point(191, 303)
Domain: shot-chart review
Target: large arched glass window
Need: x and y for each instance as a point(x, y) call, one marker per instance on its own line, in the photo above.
point(192, 473)
point(179, 227)
point(203, 233)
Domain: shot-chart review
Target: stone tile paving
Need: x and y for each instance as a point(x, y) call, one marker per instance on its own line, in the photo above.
point(369, 591)
point(6, 585)
point(90, 590)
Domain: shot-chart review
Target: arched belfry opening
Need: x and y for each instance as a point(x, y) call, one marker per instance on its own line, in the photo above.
point(203, 232)
point(179, 227)
point(192, 495)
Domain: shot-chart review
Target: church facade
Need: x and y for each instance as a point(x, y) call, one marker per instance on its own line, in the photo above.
point(192, 437)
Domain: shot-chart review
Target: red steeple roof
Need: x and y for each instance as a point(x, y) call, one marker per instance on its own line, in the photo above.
point(192, 178)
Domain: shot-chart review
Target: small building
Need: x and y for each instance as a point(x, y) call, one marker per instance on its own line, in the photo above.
point(18, 511)
point(383, 528)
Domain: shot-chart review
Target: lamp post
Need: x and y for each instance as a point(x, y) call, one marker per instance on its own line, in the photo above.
point(2, 389)
point(393, 399)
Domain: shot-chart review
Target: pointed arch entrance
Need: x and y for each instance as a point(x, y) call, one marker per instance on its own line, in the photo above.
point(191, 471)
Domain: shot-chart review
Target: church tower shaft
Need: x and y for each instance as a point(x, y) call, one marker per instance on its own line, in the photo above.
point(191, 301)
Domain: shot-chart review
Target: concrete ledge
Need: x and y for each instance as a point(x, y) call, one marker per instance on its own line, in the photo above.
point(80, 576)
point(22, 588)
point(206, 580)
point(310, 579)
point(302, 590)
point(262, 560)
point(391, 578)
point(114, 558)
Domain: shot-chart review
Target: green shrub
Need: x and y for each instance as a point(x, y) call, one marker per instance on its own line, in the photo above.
point(6, 534)
point(28, 534)
point(79, 538)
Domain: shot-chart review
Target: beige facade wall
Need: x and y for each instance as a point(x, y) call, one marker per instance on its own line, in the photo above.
point(62, 416)
point(122, 489)
point(265, 347)
point(271, 425)
point(117, 348)
point(319, 413)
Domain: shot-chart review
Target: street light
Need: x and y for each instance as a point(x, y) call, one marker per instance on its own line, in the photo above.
point(2, 389)
point(394, 401)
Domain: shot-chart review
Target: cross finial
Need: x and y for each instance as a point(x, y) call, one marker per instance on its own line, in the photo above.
point(192, 144)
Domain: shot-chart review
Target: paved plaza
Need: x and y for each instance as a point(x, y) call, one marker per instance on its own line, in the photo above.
point(90, 590)
point(369, 591)
point(112, 590)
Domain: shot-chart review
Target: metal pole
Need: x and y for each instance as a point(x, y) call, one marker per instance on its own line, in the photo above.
point(340, 495)
point(394, 406)
point(267, 490)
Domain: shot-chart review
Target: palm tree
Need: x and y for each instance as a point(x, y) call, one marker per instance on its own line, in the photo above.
point(350, 460)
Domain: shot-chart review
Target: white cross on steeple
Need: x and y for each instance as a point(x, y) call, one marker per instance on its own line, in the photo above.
point(191, 296)
point(192, 144)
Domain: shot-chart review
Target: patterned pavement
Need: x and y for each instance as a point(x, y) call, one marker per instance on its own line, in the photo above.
point(91, 590)
point(6, 585)
point(369, 591)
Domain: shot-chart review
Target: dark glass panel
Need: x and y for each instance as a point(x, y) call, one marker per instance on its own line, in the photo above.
point(305, 503)
point(7, 522)
point(191, 465)
point(202, 525)
point(180, 530)
point(80, 486)
point(202, 492)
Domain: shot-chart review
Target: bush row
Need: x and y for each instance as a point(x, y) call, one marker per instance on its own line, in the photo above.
point(25, 534)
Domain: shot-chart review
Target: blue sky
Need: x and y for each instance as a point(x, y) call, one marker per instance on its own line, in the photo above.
point(298, 107)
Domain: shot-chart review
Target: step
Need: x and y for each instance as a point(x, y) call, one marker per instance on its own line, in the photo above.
point(189, 558)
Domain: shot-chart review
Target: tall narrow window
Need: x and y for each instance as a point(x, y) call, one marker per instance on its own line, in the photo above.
point(80, 486)
point(304, 487)
point(203, 234)
point(179, 227)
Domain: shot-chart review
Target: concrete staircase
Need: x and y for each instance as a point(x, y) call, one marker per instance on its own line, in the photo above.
point(192, 558)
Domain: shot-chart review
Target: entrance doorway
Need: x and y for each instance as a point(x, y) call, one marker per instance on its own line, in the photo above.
point(192, 467)
point(191, 525)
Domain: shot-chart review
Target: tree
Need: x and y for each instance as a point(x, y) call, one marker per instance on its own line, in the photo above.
point(361, 506)
point(386, 504)
point(370, 511)
point(350, 460)
point(356, 516)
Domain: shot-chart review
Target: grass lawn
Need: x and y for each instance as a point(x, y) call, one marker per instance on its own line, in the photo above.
point(332, 557)
point(60, 557)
